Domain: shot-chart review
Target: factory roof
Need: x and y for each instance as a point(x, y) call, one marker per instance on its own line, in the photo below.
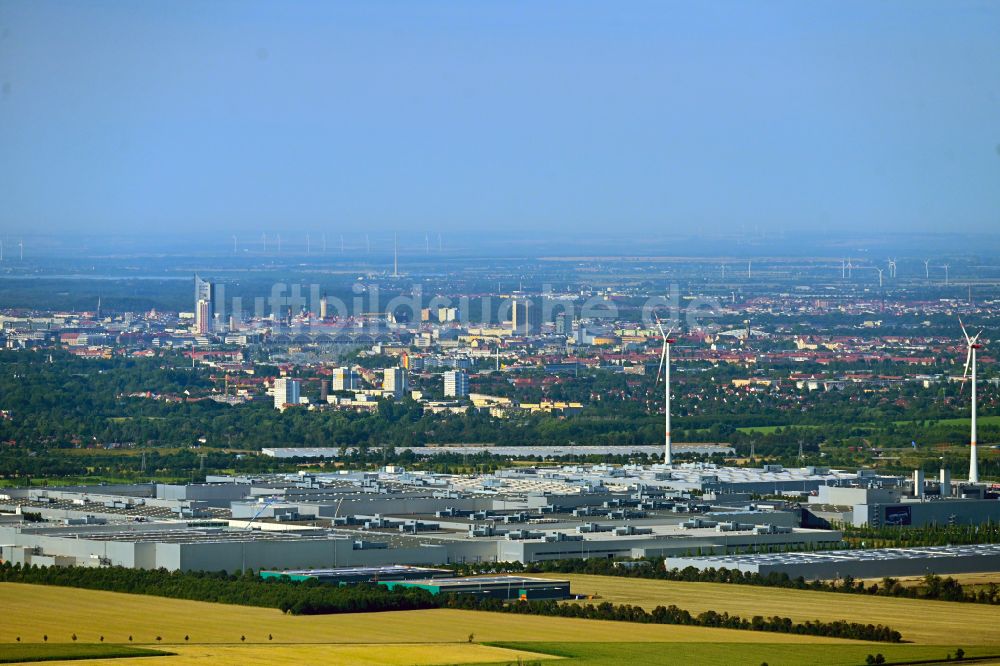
point(484, 580)
point(834, 556)
point(373, 571)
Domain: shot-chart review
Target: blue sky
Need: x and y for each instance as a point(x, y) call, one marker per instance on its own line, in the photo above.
point(563, 117)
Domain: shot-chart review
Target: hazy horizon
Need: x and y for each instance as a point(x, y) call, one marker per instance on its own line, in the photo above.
point(584, 119)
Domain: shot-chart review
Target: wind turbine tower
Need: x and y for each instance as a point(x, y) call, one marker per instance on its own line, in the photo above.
point(235, 246)
point(20, 246)
point(946, 267)
point(668, 458)
point(970, 363)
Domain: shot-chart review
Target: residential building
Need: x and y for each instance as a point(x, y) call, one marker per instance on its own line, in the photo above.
point(394, 381)
point(526, 317)
point(345, 379)
point(456, 384)
point(287, 392)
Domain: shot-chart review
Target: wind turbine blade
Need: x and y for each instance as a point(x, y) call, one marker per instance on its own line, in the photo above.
point(964, 332)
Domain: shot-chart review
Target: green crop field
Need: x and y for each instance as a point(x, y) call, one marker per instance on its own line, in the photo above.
point(926, 622)
point(991, 420)
point(22, 652)
point(769, 429)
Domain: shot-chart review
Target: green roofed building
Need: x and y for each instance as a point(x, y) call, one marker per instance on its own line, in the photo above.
point(348, 575)
point(498, 587)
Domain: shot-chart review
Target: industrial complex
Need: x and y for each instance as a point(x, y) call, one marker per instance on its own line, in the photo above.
point(395, 517)
point(332, 524)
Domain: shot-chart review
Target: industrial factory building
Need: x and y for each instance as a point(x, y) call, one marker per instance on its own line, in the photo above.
point(394, 516)
point(915, 503)
point(874, 563)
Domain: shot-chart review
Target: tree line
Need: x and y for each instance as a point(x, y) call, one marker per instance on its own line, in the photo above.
point(674, 615)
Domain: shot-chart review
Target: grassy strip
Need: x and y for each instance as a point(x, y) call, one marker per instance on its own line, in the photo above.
point(21, 652)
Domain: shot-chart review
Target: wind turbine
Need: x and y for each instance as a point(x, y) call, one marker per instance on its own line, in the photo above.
point(843, 268)
point(850, 268)
point(20, 246)
point(749, 262)
point(970, 363)
point(927, 268)
point(892, 268)
point(665, 370)
point(308, 244)
point(235, 248)
point(946, 267)
point(879, 277)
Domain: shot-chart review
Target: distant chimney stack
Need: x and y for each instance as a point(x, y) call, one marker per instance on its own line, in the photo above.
point(918, 483)
point(945, 482)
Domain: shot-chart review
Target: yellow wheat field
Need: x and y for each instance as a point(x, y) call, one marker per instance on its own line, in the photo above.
point(33, 610)
point(927, 622)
